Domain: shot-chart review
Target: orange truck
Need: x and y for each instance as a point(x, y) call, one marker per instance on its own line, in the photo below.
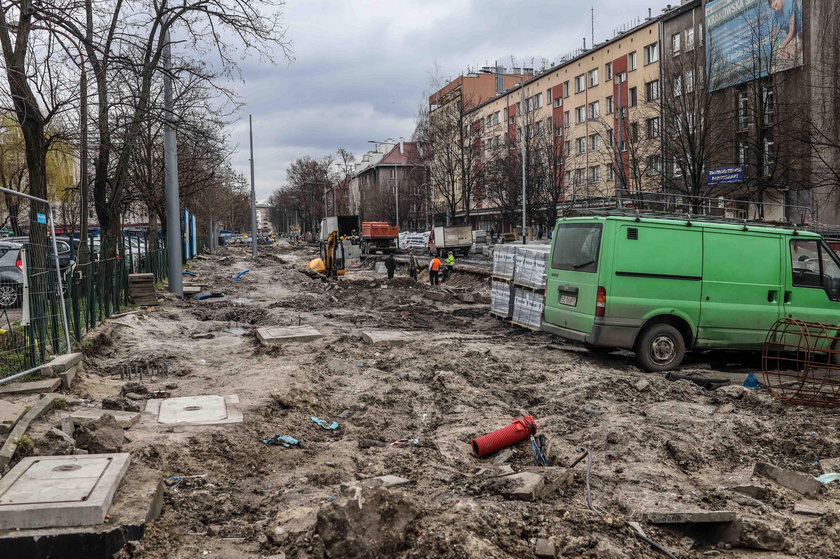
point(379, 236)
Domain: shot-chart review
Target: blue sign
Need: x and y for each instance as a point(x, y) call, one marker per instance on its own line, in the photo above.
point(749, 39)
point(725, 175)
point(41, 218)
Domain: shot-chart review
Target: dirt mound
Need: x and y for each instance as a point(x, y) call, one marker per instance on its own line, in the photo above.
point(366, 524)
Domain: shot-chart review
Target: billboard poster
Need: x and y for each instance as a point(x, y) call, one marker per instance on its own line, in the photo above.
point(750, 39)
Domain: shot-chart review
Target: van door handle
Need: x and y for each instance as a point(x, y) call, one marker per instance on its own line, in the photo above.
point(787, 296)
point(771, 296)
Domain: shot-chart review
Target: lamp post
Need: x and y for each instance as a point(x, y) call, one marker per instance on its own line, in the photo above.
point(523, 155)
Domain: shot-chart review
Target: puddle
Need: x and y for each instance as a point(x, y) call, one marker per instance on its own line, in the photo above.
point(241, 301)
point(237, 331)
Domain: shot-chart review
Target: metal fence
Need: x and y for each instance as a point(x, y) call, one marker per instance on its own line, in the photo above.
point(48, 300)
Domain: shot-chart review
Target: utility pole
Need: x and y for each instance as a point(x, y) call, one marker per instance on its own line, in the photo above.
point(397, 192)
point(522, 140)
point(253, 192)
point(173, 209)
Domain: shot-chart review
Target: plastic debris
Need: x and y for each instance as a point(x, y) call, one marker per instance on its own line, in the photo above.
point(208, 296)
point(178, 480)
point(239, 275)
point(282, 440)
point(415, 442)
point(828, 478)
point(752, 382)
point(190, 274)
point(324, 424)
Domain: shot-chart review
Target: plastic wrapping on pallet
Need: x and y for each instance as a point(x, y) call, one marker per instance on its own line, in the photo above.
point(503, 266)
point(530, 266)
point(501, 299)
point(528, 308)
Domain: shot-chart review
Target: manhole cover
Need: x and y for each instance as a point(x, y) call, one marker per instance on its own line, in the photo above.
point(193, 409)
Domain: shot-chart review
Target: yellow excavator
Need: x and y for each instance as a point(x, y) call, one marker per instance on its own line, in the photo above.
point(331, 263)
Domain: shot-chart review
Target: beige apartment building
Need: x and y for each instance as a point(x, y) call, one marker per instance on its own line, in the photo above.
point(591, 126)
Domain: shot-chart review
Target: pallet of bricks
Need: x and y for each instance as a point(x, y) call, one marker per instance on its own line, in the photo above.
point(518, 288)
point(141, 288)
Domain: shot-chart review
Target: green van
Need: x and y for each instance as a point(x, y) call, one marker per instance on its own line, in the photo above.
point(659, 285)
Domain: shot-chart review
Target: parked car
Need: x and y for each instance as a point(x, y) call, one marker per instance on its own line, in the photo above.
point(11, 268)
point(660, 285)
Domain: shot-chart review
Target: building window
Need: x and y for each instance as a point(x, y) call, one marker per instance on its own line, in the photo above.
point(594, 110)
point(580, 176)
point(567, 119)
point(631, 61)
point(593, 77)
point(677, 168)
point(393, 171)
point(677, 86)
point(634, 132)
point(580, 145)
point(654, 165)
point(489, 120)
point(689, 81)
point(742, 150)
point(651, 53)
point(497, 141)
point(511, 119)
point(548, 95)
point(610, 173)
point(558, 102)
point(653, 127)
point(742, 111)
point(580, 114)
point(608, 71)
point(538, 101)
point(496, 116)
point(675, 43)
point(689, 39)
point(595, 174)
point(595, 142)
point(769, 157)
point(566, 88)
point(620, 77)
point(652, 90)
point(700, 34)
point(558, 131)
point(518, 108)
point(568, 178)
point(609, 105)
point(568, 146)
point(768, 101)
point(634, 99)
point(580, 83)
point(610, 137)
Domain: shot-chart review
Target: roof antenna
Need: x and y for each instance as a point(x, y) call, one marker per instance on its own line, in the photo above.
point(593, 26)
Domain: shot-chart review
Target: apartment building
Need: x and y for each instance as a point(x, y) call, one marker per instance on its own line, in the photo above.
point(760, 125)
point(591, 129)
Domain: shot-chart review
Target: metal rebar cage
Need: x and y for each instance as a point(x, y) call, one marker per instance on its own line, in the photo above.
point(801, 362)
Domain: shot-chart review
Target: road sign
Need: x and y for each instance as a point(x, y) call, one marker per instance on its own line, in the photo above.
point(725, 175)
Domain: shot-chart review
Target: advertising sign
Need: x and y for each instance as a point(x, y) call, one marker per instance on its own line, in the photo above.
point(750, 39)
point(725, 175)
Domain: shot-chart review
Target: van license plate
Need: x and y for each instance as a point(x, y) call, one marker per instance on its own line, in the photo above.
point(570, 300)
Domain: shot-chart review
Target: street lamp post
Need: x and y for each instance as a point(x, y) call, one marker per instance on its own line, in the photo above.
point(523, 156)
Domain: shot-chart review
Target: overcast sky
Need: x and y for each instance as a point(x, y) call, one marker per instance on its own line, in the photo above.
point(362, 67)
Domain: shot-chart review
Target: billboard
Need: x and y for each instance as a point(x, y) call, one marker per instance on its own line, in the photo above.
point(750, 39)
point(725, 175)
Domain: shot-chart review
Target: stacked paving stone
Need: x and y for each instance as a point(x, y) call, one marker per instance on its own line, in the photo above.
point(141, 287)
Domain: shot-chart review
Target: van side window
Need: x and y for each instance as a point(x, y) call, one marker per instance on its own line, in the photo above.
point(576, 247)
point(813, 264)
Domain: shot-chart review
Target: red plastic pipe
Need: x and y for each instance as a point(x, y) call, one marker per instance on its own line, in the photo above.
point(519, 430)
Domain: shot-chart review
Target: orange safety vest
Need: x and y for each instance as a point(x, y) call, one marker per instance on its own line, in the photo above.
point(436, 265)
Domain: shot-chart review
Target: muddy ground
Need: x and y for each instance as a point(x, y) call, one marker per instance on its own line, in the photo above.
point(655, 444)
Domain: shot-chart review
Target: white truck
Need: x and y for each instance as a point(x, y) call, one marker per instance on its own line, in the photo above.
point(457, 238)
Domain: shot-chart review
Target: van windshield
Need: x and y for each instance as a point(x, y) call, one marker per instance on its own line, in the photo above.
point(576, 247)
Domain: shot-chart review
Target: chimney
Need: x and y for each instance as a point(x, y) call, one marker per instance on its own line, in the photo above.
point(401, 147)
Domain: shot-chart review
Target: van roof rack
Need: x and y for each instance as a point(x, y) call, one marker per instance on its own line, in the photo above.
point(824, 230)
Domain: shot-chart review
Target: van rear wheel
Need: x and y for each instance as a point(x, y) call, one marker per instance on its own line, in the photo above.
point(661, 347)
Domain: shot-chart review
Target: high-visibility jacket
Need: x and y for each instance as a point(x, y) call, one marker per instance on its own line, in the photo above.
point(435, 264)
point(450, 260)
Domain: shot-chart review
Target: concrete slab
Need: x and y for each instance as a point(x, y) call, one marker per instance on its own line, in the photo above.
point(436, 295)
point(68, 376)
point(195, 410)
point(10, 413)
point(138, 500)
point(691, 517)
point(125, 419)
point(801, 483)
point(524, 486)
point(65, 362)
point(805, 508)
point(60, 491)
point(280, 334)
point(386, 337)
point(46, 385)
point(38, 409)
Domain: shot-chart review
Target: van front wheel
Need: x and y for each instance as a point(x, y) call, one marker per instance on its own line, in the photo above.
point(661, 347)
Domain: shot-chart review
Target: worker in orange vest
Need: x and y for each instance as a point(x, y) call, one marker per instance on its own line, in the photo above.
point(434, 270)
